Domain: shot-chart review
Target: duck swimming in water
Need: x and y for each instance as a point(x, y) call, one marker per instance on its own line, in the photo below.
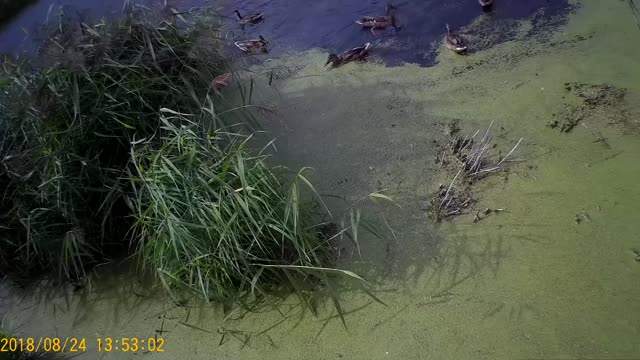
point(379, 22)
point(356, 54)
point(255, 44)
point(249, 19)
point(455, 42)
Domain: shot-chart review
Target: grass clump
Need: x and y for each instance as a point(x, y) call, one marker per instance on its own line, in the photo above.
point(215, 218)
point(65, 136)
point(94, 165)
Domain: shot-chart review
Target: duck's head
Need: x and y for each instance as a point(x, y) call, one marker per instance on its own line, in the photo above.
point(332, 59)
point(389, 8)
point(262, 39)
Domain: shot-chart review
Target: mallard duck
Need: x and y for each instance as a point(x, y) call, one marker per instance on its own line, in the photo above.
point(249, 19)
point(455, 42)
point(355, 54)
point(379, 22)
point(255, 44)
point(485, 3)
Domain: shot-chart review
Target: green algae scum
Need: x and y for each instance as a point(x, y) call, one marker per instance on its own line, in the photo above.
point(552, 275)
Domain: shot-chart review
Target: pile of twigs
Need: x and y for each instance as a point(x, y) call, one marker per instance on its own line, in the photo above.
point(474, 157)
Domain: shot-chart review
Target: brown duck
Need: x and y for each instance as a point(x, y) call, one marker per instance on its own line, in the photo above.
point(455, 42)
point(379, 22)
point(248, 19)
point(356, 54)
point(249, 46)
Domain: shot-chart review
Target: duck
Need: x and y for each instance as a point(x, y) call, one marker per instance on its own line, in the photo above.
point(455, 42)
point(356, 54)
point(254, 44)
point(249, 19)
point(379, 22)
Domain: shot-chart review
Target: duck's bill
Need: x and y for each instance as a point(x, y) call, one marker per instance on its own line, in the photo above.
point(457, 48)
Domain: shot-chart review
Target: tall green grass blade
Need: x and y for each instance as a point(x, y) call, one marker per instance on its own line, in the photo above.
point(313, 189)
point(335, 300)
point(320, 269)
point(251, 83)
point(355, 222)
point(378, 195)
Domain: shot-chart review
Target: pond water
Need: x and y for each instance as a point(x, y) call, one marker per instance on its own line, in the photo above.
point(297, 25)
point(302, 25)
point(20, 33)
point(554, 276)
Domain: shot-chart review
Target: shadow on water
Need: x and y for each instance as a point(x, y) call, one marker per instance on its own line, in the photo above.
point(375, 140)
point(295, 25)
point(10, 9)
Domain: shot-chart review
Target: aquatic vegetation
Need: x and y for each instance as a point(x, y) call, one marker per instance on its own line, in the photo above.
point(474, 158)
point(112, 146)
point(214, 218)
point(602, 102)
point(72, 114)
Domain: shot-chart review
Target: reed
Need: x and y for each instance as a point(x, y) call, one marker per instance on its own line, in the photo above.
point(112, 144)
point(68, 118)
point(215, 218)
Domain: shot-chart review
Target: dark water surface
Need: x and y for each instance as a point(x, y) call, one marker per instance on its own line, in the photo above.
point(293, 25)
point(19, 34)
point(300, 24)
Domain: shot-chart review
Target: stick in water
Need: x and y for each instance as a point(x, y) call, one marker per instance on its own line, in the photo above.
point(450, 186)
point(505, 158)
